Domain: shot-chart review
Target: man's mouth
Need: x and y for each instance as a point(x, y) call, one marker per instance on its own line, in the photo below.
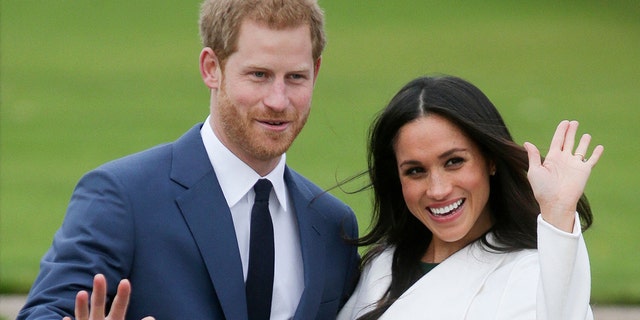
point(278, 125)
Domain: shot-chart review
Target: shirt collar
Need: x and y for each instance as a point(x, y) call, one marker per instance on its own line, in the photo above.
point(235, 177)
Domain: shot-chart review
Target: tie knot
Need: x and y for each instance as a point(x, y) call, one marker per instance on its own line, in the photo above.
point(262, 189)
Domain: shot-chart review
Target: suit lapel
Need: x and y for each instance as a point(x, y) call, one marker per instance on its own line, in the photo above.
point(310, 224)
point(208, 217)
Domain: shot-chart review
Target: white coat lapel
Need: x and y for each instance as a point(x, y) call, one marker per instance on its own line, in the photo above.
point(448, 290)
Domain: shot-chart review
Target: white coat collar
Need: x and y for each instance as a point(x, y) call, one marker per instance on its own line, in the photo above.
point(467, 268)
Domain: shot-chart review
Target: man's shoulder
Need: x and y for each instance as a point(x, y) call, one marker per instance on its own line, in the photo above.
point(153, 158)
point(139, 160)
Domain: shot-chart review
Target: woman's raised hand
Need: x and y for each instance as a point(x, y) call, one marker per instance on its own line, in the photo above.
point(559, 181)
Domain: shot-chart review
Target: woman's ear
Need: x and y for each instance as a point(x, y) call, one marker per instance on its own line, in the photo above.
point(492, 168)
point(210, 68)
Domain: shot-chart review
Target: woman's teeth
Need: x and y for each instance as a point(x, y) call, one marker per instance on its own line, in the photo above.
point(443, 211)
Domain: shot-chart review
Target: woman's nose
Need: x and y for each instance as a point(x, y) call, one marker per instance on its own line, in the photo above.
point(438, 186)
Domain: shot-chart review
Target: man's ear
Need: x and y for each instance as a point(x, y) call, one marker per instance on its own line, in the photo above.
point(210, 68)
point(316, 69)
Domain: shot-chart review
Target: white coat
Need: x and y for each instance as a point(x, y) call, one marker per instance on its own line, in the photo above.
point(552, 282)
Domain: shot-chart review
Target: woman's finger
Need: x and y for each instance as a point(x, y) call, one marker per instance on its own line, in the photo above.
point(581, 150)
point(595, 155)
point(534, 155)
point(570, 136)
point(557, 142)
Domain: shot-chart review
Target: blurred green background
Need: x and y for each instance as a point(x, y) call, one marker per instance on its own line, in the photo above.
point(84, 82)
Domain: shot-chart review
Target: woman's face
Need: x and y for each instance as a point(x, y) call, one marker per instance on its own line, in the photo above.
point(445, 180)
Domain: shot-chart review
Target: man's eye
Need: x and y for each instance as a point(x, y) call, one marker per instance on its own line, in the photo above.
point(296, 77)
point(259, 74)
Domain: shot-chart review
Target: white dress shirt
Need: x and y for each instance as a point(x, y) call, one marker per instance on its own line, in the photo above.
point(236, 179)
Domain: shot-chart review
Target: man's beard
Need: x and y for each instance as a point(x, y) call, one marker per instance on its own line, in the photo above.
point(252, 140)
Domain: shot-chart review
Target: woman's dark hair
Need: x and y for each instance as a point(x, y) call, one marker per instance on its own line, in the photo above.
point(512, 204)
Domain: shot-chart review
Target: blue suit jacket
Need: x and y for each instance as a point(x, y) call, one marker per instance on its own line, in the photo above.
point(159, 218)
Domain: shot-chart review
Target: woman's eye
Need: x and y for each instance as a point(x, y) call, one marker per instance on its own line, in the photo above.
point(454, 161)
point(413, 171)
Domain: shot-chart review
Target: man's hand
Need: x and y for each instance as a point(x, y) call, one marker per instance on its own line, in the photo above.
point(99, 299)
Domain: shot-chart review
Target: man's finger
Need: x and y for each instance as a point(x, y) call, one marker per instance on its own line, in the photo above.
point(121, 301)
point(98, 297)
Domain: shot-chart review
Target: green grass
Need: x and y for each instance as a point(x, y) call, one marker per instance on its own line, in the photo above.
point(84, 82)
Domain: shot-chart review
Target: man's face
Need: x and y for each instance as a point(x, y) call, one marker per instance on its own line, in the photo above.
point(265, 93)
